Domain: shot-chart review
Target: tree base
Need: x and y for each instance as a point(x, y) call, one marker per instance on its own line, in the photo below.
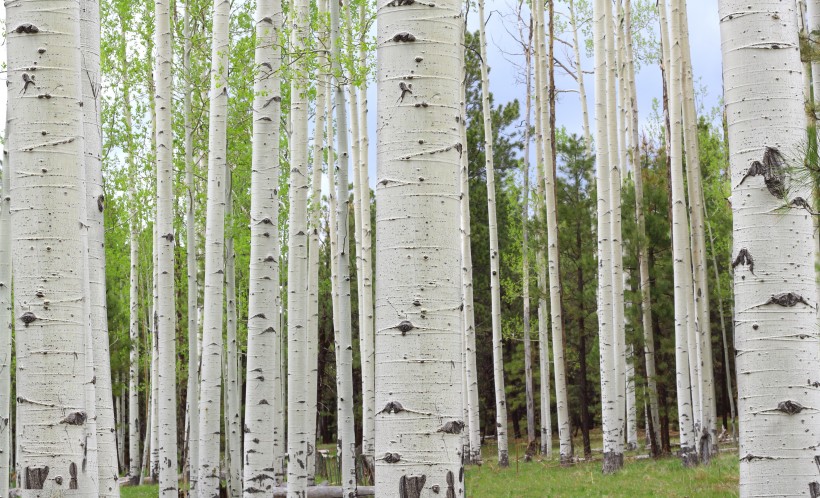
point(613, 462)
point(688, 456)
point(503, 459)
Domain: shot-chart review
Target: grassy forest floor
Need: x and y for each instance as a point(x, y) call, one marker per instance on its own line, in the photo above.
point(641, 477)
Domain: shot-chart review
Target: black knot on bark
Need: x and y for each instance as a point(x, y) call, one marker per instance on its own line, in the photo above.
point(787, 300)
point(790, 407)
point(74, 418)
point(771, 169)
point(35, 477)
point(411, 486)
point(405, 326)
point(101, 203)
point(399, 3)
point(452, 427)
point(744, 257)
point(404, 37)
point(392, 407)
point(28, 317)
point(392, 457)
point(169, 237)
point(27, 28)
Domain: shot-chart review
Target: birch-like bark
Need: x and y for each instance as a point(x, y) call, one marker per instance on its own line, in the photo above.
point(166, 308)
point(153, 470)
point(631, 407)
point(313, 249)
point(192, 398)
point(525, 261)
point(418, 304)
point(643, 257)
point(540, 255)
point(582, 93)
point(6, 319)
point(297, 313)
point(775, 317)
point(613, 458)
point(495, 256)
point(95, 204)
point(46, 246)
point(346, 439)
point(708, 437)
point(468, 317)
point(232, 382)
point(211, 373)
point(680, 242)
point(263, 460)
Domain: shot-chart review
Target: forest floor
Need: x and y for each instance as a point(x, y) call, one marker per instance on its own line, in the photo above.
point(640, 477)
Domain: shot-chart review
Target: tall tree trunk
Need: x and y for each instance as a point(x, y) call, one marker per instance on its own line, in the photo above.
point(233, 386)
point(643, 260)
point(166, 309)
point(418, 252)
point(6, 319)
point(263, 436)
point(540, 256)
point(586, 418)
point(582, 94)
point(468, 317)
point(51, 399)
point(495, 255)
point(680, 258)
point(192, 397)
point(631, 407)
point(346, 440)
point(95, 204)
point(613, 457)
point(211, 374)
point(707, 439)
point(525, 262)
point(774, 316)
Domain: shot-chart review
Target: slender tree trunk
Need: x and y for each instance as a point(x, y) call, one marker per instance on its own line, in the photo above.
point(346, 440)
point(540, 256)
point(211, 374)
point(263, 457)
point(774, 316)
point(525, 262)
point(418, 304)
point(190, 247)
point(582, 94)
point(643, 260)
point(631, 407)
point(586, 418)
point(680, 240)
point(471, 366)
point(233, 386)
point(46, 245)
point(613, 458)
point(495, 256)
point(6, 319)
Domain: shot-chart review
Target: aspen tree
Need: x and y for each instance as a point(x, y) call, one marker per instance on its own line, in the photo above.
point(582, 94)
point(192, 397)
point(297, 311)
point(95, 205)
point(643, 257)
point(613, 458)
point(51, 400)
point(525, 251)
point(211, 374)
point(418, 303)
point(468, 316)
point(680, 239)
point(6, 320)
point(540, 255)
point(232, 410)
point(263, 436)
point(495, 270)
point(773, 253)
point(346, 440)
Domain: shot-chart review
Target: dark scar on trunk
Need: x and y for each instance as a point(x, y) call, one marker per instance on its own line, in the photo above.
point(392, 407)
point(814, 489)
point(411, 487)
point(790, 407)
point(744, 257)
point(404, 37)
point(392, 457)
point(36, 477)
point(787, 300)
point(405, 326)
point(452, 427)
point(771, 169)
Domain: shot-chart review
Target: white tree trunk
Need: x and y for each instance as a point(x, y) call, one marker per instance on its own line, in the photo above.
point(418, 306)
point(470, 366)
point(95, 203)
point(263, 436)
point(50, 346)
point(776, 341)
point(613, 458)
point(643, 257)
point(631, 407)
point(297, 312)
point(192, 397)
point(166, 308)
point(153, 469)
point(6, 320)
point(582, 94)
point(495, 256)
point(211, 373)
point(680, 258)
point(346, 439)
point(233, 386)
point(525, 261)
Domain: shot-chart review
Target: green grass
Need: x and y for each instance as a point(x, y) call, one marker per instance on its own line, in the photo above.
point(139, 491)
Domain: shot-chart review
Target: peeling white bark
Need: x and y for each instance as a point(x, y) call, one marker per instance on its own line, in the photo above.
point(776, 335)
point(418, 303)
point(6, 319)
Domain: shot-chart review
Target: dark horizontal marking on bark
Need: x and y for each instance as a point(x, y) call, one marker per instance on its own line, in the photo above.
point(814, 489)
point(787, 300)
point(411, 486)
point(771, 169)
point(35, 477)
point(401, 3)
point(744, 257)
point(27, 28)
point(405, 326)
point(259, 315)
point(392, 457)
point(403, 37)
point(790, 407)
point(392, 407)
point(749, 457)
point(267, 20)
point(169, 237)
point(802, 203)
point(452, 427)
point(28, 317)
point(459, 147)
point(74, 418)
